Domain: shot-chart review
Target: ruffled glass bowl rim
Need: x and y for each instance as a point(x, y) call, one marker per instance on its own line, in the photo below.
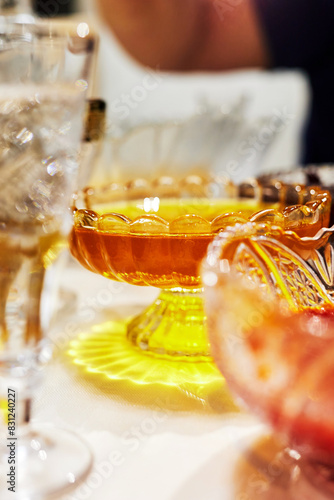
point(310, 202)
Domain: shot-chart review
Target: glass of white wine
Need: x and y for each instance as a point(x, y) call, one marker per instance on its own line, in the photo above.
point(44, 73)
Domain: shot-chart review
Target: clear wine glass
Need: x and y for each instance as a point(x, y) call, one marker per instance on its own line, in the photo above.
point(44, 72)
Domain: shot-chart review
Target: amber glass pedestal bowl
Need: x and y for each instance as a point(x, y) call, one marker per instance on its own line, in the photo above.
point(273, 341)
point(157, 233)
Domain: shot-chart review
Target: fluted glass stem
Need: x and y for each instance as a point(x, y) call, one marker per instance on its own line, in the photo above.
point(173, 325)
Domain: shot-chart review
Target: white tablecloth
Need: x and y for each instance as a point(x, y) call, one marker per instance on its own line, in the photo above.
point(166, 445)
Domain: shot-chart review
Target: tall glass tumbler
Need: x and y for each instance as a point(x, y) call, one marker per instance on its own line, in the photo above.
point(44, 72)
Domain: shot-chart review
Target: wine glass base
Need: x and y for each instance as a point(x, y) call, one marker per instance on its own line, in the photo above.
point(47, 462)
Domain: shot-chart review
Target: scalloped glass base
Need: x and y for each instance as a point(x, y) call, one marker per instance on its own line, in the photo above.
point(174, 325)
point(105, 350)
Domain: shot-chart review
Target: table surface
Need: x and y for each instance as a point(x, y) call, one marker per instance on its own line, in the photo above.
point(149, 441)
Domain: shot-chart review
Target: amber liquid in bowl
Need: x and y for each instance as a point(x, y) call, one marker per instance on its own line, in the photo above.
point(165, 255)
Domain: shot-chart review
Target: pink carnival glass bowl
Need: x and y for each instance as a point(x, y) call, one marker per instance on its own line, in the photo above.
point(269, 298)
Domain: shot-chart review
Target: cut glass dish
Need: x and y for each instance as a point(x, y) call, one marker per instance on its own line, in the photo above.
point(273, 340)
point(156, 234)
point(311, 175)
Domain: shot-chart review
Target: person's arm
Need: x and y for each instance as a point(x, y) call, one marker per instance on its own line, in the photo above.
point(188, 34)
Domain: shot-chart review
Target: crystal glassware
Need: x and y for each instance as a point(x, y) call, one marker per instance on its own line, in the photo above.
point(44, 69)
point(156, 234)
point(273, 341)
point(203, 138)
point(310, 175)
